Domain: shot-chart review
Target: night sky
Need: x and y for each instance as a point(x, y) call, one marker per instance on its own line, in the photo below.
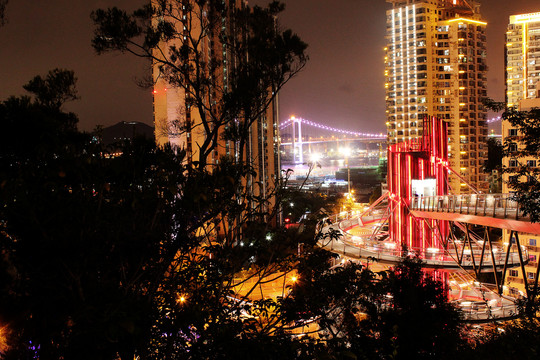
point(342, 84)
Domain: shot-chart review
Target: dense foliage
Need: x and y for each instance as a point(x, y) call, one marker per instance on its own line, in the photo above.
point(143, 254)
point(107, 257)
point(522, 149)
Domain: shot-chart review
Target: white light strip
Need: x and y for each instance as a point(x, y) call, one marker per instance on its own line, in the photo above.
point(288, 122)
point(329, 128)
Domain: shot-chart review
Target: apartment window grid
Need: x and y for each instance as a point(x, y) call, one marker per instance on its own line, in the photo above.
point(406, 72)
point(523, 69)
point(464, 112)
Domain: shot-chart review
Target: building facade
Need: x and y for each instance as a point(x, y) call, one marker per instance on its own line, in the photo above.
point(523, 93)
point(194, 121)
point(436, 66)
point(522, 58)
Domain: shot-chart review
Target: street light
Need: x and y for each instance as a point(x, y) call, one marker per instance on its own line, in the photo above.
point(315, 157)
point(347, 152)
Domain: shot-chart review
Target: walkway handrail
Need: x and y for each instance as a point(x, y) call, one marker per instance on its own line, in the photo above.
point(490, 205)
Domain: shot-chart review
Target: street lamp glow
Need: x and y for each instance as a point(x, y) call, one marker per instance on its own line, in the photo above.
point(315, 157)
point(345, 151)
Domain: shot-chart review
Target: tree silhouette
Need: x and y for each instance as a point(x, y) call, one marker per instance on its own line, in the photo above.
point(3, 4)
point(246, 43)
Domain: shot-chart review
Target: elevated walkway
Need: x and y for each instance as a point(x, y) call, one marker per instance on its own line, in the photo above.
point(366, 247)
point(492, 210)
point(476, 302)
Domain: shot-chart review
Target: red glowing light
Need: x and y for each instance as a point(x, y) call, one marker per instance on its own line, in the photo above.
point(417, 160)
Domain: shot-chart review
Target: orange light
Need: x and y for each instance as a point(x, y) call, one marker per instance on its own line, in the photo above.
point(3, 338)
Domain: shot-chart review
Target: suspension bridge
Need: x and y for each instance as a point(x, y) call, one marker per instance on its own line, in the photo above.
point(303, 140)
point(301, 137)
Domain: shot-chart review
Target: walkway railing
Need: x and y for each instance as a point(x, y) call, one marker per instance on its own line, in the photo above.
point(361, 247)
point(489, 205)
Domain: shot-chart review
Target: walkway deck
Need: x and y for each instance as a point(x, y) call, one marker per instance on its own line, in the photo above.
point(493, 210)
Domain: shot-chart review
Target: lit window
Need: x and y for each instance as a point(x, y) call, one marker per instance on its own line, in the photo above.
point(513, 273)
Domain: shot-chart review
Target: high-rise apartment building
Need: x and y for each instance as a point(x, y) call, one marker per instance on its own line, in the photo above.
point(188, 112)
point(523, 93)
point(522, 57)
point(436, 66)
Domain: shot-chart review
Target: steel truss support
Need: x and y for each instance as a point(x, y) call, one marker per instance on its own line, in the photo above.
point(452, 236)
point(468, 235)
point(531, 290)
point(530, 287)
point(493, 262)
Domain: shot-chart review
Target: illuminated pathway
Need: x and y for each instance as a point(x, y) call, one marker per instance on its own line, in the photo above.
point(359, 243)
point(476, 302)
point(417, 217)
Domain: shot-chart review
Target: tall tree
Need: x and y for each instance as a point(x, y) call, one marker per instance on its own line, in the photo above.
point(523, 178)
point(418, 321)
point(396, 314)
point(495, 155)
point(177, 36)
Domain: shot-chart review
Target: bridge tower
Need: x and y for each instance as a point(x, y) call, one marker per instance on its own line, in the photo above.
point(297, 145)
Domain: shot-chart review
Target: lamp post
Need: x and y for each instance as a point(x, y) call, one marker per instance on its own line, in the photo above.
point(347, 152)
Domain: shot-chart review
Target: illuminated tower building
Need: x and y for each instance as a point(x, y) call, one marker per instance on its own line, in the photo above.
point(186, 124)
point(523, 92)
point(436, 66)
point(522, 57)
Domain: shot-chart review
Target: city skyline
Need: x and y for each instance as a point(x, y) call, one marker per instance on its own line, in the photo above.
point(343, 83)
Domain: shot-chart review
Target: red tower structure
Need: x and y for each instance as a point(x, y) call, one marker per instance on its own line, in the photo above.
point(418, 167)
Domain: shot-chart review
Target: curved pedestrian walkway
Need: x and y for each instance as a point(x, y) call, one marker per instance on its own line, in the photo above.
point(476, 302)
